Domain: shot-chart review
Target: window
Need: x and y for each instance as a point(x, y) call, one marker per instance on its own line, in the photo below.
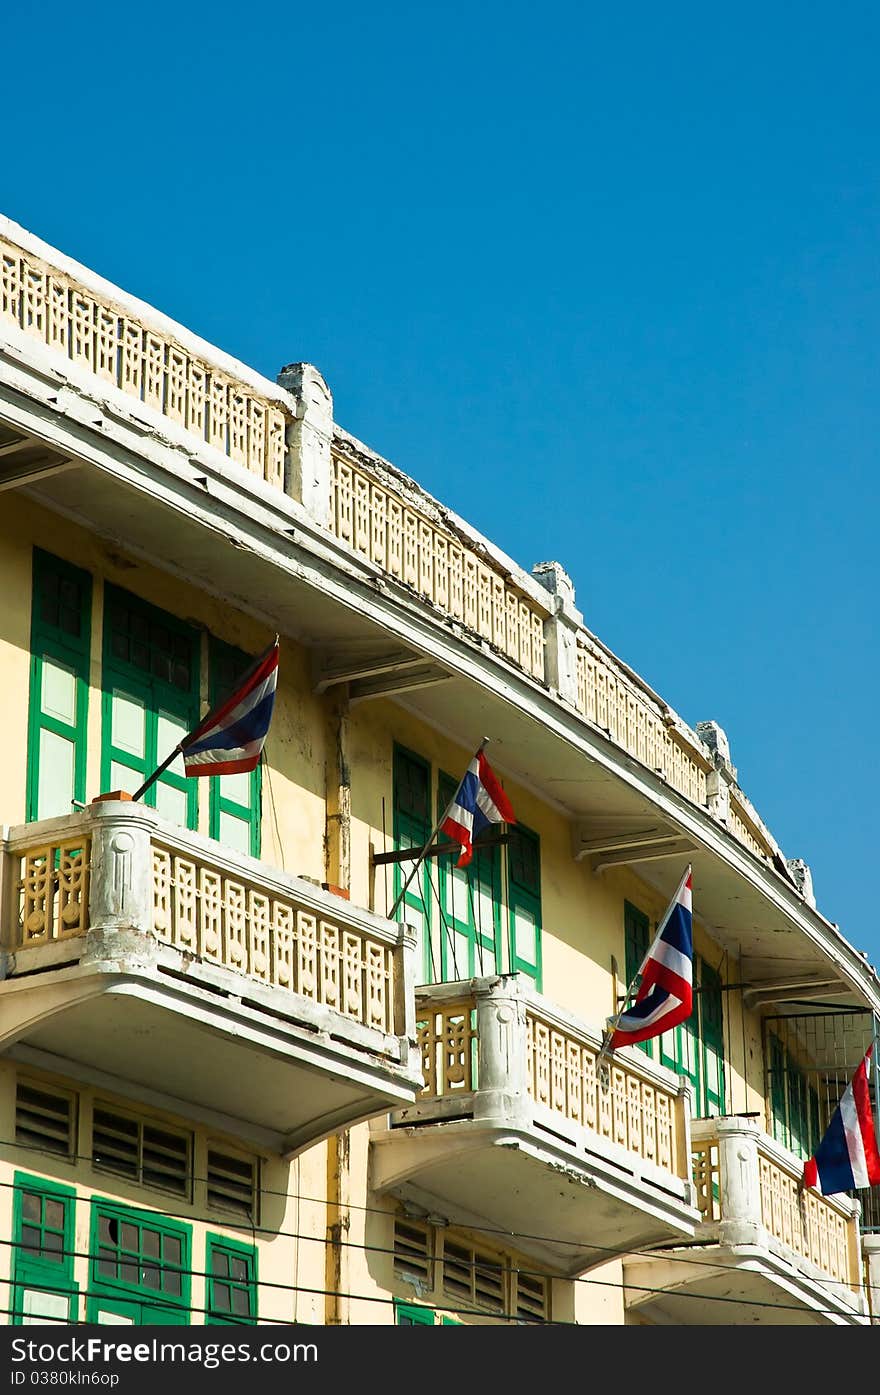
point(59, 687)
point(231, 1281)
point(233, 1184)
point(44, 1118)
point(43, 1287)
point(150, 701)
point(137, 1148)
point(524, 902)
point(794, 1102)
point(411, 829)
point(451, 1271)
point(487, 915)
point(471, 899)
point(234, 799)
point(413, 1315)
point(139, 1266)
point(695, 1048)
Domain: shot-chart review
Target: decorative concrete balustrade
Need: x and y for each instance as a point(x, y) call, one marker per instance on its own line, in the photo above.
point(517, 1053)
point(405, 542)
point(749, 1195)
point(131, 946)
point(119, 868)
point(86, 326)
point(516, 1119)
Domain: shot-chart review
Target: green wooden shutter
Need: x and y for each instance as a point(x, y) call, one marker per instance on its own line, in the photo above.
point(778, 1112)
point(636, 938)
point(413, 1315)
point(709, 1003)
point(411, 826)
point(139, 1267)
point(150, 701)
point(471, 901)
point(232, 1282)
point(59, 686)
point(524, 902)
point(44, 1291)
point(235, 800)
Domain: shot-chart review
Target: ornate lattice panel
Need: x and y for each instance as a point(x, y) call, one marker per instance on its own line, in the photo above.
point(53, 892)
point(143, 362)
point(447, 1043)
point(220, 919)
point(435, 564)
point(609, 700)
point(806, 1222)
point(706, 1173)
point(636, 1113)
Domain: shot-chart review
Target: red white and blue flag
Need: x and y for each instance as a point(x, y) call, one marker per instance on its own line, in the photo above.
point(665, 994)
point(478, 802)
point(230, 738)
point(847, 1157)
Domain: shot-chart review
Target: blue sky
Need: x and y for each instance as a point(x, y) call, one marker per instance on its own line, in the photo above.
point(602, 278)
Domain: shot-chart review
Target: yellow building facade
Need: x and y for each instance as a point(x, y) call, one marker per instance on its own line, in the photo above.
point(232, 1087)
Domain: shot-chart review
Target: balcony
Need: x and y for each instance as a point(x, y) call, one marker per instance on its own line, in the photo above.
point(765, 1248)
point(168, 964)
point(516, 1130)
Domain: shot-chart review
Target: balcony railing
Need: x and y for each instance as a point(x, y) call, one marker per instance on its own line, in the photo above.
point(406, 543)
point(743, 1178)
point(144, 360)
point(213, 906)
point(556, 1062)
point(610, 700)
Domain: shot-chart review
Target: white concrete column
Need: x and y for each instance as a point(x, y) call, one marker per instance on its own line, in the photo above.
point(120, 881)
point(719, 780)
point(309, 436)
point(405, 993)
point(560, 631)
point(501, 1049)
point(871, 1251)
point(740, 1179)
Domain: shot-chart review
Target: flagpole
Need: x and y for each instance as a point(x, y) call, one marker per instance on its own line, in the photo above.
point(197, 730)
point(431, 836)
point(604, 1049)
point(160, 770)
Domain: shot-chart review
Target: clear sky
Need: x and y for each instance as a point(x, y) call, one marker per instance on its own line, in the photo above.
point(603, 278)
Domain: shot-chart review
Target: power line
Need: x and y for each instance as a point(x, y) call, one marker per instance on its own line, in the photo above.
point(247, 1223)
point(480, 1263)
point(157, 1297)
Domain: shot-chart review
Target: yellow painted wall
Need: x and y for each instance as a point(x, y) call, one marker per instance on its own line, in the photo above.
point(583, 926)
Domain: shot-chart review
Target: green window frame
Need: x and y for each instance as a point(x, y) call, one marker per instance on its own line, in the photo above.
point(231, 1289)
point(140, 1259)
point(793, 1101)
point(150, 699)
point(414, 1315)
point(471, 899)
point(524, 903)
point(411, 827)
point(43, 1287)
point(636, 938)
point(234, 801)
point(61, 611)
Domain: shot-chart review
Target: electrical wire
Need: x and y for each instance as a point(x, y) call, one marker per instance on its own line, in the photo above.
point(498, 1233)
point(480, 1262)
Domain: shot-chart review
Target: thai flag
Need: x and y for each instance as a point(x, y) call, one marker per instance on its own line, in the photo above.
point(230, 738)
point(665, 994)
point(847, 1157)
point(478, 801)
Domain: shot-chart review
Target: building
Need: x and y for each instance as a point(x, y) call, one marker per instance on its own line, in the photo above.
point(231, 1088)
